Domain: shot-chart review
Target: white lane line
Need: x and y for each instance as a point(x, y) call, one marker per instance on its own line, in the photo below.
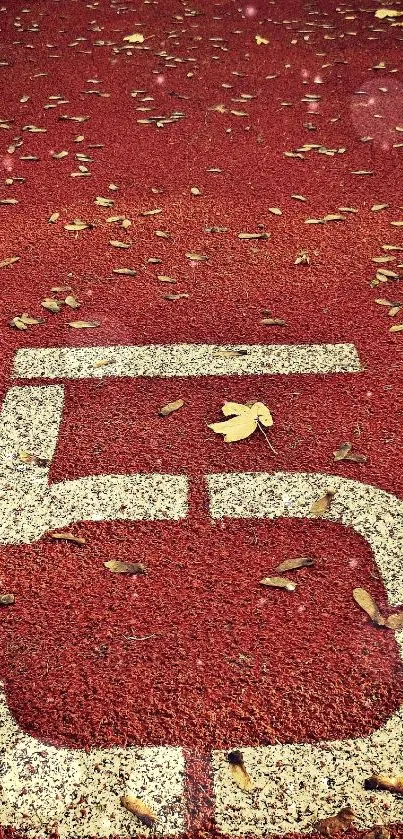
point(184, 360)
point(77, 793)
point(30, 506)
point(298, 783)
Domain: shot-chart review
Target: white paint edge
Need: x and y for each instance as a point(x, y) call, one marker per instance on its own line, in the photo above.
point(298, 783)
point(184, 360)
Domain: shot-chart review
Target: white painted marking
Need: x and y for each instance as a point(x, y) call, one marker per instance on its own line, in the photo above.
point(292, 787)
point(30, 506)
point(185, 360)
point(77, 793)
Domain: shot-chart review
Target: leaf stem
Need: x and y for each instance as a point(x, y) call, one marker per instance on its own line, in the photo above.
point(267, 439)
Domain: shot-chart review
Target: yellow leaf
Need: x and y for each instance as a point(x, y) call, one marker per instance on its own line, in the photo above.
point(136, 38)
point(259, 40)
point(84, 324)
point(118, 567)
point(278, 582)
point(245, 420)
point(382, 13)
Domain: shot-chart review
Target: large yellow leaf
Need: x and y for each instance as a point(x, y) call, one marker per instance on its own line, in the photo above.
point(245, 420)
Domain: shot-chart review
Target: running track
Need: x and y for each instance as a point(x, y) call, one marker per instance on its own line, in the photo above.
point(114, 684)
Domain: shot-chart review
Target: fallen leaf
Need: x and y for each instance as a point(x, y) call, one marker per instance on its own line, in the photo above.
point(302, 258)
point(367, 603)
point(125, 567)
point(28, 458)
point(335, 824)
point(391, 783)
point(26, 318)
point(60, 289)
point(7, 599)
point(254, 235)
point(395, 621)
point(376, 207)
point(155, 212)
point(294, 564)
point(72, 302)
point(175, 296)
point(116, 244)
point(259, 40)
point(396, 328)
point(245, 420)
point(196, 257)
point(382, 13)
point(229, 353)
point(322, 505)
point(53, 218)
point(144, 813)
point(275, 210)
point(130, 272)
point(171, 407)
point(103, 362)
point(76, 226)
point(18, 323)
point(84, 324)
point(238, 771)
point(273, 322)
point(278, 582)
point(68, 537)
point(9, 201)
point(136, 38)
point(194, 190)
point(342, 451)
point(163, 278)
point(10, 261)
point(51, 305)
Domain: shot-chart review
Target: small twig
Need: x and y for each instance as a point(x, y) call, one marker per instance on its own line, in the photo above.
point(267, 439)
point(140, 637)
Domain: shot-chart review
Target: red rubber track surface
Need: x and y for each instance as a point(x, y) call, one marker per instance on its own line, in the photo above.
point(231, 663)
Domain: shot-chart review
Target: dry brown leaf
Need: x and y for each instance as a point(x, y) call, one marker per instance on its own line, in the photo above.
point(10, 201)
point(10, 261)
point(27, 457)
point(194, 190)
point(130, 272)
point(367, 603)
point(238, 771)
point(254, 235)
point(68, 537)
point(103, 362)
point(275, 211)
point(7, 599)
point(376, 207)
point(84, 324)
point(245, 420)
point(322, 505)
point(273, 322)
point(229, 353)
point(178, 296)
point(395, 621)
point(294, 564)
point(51, 305)
point(391, 783)
point(196, 257)
point(115, 243)
point(342, 451)
point(72, 302)
point(76, 226)
point(53, 218)
point(336, 824)
point(171, 407)
point(163, 278)
point(155, 212)
point(302, 258)
point(125, 567)
point(394, 311)
point(144, 813)
point(26, 318)
point(18, 323)
point(278, 582)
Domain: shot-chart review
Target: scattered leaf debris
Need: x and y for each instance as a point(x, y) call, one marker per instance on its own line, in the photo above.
point(294, 564)
point(334, 825)
point(68, 537)
point(238, 771)
point(278, 582)
point(117, 567)
point(171, 407)
point(7, 599)
point(391, 783)
point(323, 504)
point(143, 812)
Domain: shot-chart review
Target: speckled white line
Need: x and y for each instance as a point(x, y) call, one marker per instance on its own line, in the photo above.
point(184, 360)
point(30, 506)
point(299, 783)
point(78, 793)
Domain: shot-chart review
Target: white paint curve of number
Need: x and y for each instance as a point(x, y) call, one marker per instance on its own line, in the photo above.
point(298, 783)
